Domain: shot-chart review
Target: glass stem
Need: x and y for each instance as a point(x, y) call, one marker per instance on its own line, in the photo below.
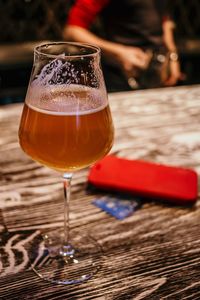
point(67, 248)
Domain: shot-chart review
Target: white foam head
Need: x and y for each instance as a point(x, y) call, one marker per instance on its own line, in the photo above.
point(66, 99)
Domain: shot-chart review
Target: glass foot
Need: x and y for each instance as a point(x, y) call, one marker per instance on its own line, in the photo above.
point(71, 264)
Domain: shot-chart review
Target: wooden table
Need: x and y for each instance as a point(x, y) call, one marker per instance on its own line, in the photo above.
point(153, 254)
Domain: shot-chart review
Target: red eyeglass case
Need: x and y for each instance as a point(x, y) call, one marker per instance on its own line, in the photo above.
point(145, 179)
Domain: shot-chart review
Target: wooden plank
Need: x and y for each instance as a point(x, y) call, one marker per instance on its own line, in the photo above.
point(153, 254)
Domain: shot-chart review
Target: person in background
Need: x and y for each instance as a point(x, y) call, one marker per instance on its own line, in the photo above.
point(137, 35)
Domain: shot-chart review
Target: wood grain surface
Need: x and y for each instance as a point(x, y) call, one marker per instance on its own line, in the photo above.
point(153, 254)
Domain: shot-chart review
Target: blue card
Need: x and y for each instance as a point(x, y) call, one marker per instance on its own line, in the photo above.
point(119, 207)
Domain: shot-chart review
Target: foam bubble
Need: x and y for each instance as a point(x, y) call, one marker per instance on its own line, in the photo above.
point(64, 113)
point(64, 99)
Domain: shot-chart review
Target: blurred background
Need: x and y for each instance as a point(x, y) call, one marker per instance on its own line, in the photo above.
point(25, 23)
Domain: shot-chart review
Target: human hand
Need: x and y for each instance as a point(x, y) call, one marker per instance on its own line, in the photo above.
point(175, 74)
point(131, 59)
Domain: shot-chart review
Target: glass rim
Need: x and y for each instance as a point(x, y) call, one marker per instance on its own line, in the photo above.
point(38, 49)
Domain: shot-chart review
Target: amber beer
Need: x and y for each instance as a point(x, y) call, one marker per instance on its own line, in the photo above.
point(66, 141)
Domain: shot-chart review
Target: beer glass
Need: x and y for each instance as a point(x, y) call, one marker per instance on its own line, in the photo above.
point(66, 125)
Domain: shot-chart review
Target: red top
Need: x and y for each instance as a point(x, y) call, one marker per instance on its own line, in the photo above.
point(129, 22)
point(84, 12)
